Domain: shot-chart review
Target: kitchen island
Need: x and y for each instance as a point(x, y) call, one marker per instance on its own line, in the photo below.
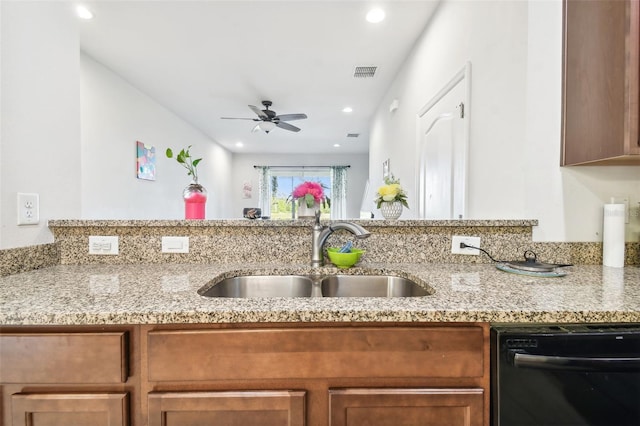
point(128, 339)
point(136, 344)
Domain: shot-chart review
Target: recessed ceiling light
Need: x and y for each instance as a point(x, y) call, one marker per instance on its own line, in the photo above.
point(83, 12)
point(347, 109)
point(336, 145)
point(239, 144)
point(375, 15)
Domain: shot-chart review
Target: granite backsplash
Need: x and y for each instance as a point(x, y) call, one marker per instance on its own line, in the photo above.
point(227, 241)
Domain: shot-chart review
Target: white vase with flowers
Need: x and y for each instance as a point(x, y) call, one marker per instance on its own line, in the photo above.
point(391, 198)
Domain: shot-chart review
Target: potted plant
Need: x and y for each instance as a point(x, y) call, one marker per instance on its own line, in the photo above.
point(310, 195)
point(391, 197)
point(194, 195)
point(184, 158)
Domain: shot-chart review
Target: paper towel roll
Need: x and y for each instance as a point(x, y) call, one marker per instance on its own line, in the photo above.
point(613, 236)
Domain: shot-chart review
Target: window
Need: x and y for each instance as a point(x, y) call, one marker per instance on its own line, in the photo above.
point(277, 184)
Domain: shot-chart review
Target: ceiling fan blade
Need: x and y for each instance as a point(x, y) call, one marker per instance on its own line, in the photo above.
point(258, 111)
point(290, 117)
point(239, 118)
point(287, 126)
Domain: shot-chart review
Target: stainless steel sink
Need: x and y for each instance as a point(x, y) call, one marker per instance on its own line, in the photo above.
point(255, 286)
point(370, 286)
point(262, 286)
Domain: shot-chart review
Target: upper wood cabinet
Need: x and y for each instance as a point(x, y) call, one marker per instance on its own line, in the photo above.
point(600, 82)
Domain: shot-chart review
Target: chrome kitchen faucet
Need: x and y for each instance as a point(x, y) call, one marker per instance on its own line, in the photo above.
point(321, 233)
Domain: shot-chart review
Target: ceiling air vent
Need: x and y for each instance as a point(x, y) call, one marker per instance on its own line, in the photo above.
point(353, 135)
point(364, 72)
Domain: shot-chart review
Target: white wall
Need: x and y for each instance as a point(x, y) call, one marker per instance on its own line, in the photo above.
point(69, 134)
point(515, 49)
point(243, 171)
point(1, 126)
point(114, 116)
point(40, 131)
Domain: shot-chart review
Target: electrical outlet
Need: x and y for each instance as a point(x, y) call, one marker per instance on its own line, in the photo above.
point(471, 241)
point(103, 244)
point(28, 209)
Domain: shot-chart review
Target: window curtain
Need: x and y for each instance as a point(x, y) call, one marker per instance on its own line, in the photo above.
point(338, 192)
point(264, 185)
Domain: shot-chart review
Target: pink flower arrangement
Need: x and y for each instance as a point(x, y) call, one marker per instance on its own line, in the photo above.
point(310, 193)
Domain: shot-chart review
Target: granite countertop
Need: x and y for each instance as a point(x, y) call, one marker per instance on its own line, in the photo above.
point(167, 293)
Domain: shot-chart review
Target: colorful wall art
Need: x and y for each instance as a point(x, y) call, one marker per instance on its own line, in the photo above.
point(146, 161)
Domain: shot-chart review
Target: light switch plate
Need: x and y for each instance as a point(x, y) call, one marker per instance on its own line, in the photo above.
point(175, 244)
point(103, 244)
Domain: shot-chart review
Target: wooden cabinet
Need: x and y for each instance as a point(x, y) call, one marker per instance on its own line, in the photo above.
point(59, 377)
point(397, 407)
point(240, 374)
point(341, 374)
point(601, 82)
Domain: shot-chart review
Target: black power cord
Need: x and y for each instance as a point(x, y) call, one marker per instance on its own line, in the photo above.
point(531, 258)
point(464, 245)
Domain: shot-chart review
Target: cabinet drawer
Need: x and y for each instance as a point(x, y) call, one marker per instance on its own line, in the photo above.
point(96, 409)
point(63, 357)
point(236, 408)
point(307, 353)
point(391, 407)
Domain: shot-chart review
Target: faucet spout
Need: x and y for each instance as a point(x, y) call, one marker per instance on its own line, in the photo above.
point(321, 233)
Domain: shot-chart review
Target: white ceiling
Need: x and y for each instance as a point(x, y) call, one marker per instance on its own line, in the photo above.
point(208, 59)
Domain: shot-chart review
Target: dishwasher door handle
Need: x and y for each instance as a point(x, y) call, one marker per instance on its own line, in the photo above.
point(601, 364)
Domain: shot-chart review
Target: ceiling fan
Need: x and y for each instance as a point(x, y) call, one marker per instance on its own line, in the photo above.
point(268, 119)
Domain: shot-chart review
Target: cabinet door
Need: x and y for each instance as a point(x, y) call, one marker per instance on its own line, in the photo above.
point(87, 409)
point(406, 407)
point(601, 82)
point(234, 408)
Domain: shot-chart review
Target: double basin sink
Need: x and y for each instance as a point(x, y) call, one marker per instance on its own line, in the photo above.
point(255, 286)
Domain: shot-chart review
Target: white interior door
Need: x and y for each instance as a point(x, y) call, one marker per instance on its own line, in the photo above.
point(442, 151)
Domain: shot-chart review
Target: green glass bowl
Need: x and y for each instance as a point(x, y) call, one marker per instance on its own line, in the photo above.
point(344, 260)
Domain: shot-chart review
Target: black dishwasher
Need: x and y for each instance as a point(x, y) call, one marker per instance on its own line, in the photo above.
point(569, 375)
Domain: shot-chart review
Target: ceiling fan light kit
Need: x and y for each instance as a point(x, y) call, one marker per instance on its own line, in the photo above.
point(267, 126)
point(269, 120)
